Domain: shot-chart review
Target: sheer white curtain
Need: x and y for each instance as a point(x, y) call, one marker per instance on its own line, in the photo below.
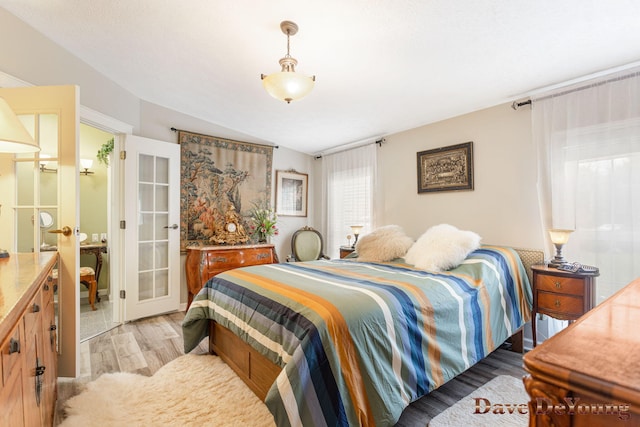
point(588, 143)
point(348, 191)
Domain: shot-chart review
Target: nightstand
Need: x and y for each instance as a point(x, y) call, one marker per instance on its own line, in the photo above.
point(561, 294)
point(346, 250)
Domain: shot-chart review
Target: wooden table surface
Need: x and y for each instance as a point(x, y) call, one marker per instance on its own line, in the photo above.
point(598, 355)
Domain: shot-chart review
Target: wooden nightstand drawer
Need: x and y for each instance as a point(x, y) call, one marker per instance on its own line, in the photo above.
point(563, 285)
point(562, 304)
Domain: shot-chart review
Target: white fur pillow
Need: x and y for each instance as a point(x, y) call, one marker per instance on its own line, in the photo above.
point(383, 244)
point(442, 247)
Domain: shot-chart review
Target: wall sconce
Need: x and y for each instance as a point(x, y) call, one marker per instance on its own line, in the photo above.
point(559, 237)
point(44, 163)
point(356, 232)
point(86, 165)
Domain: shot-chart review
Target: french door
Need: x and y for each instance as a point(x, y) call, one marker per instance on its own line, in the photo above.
point(151, 234)
point(41, 196)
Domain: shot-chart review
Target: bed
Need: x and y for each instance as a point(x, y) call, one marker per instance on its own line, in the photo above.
point(342, 342)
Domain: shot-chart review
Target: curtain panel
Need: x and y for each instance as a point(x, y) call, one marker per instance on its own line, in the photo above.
point(348, 194)
point(587, 139)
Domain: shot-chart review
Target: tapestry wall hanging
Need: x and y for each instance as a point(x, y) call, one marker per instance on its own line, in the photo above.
point(221, 182)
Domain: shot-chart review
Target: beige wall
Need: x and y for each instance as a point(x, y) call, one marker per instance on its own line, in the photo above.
point(502, 208)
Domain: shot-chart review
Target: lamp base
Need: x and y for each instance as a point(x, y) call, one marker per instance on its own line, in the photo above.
point(556, 262)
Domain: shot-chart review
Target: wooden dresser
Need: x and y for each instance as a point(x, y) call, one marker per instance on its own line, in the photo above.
point(28, 347)
point(204, 262)
point(596, 360)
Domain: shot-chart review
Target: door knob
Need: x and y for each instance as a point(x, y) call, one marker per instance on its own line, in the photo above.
point(173, 227)
point(66, 231)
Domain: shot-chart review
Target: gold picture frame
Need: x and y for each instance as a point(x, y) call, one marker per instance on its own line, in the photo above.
point(446, 168)
point(291, 193)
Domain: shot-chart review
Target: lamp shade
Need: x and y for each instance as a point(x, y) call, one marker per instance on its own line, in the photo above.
point(14, 138)
point(356, 229)
point(559, 236)
point(86, 163)
point(287, 85)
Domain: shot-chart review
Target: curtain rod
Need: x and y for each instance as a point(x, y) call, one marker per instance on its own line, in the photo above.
point(379, 142)
point(224, 139)
point(594, 83)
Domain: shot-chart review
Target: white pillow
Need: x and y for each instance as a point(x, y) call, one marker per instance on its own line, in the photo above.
point(442, 247)
point(383, 244)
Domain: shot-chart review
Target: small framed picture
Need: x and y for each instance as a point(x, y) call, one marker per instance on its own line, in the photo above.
point(446, 168)
point(291, 193)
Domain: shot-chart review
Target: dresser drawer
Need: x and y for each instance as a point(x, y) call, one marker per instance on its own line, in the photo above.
point(563, 304)
point(47, 292)
point(10, 351)
point(33, 314)
point(563, 285)
point(202, 263)
point(219, 261)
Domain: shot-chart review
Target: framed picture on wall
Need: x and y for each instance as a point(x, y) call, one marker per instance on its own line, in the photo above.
point(446, 168)
point(291, 193)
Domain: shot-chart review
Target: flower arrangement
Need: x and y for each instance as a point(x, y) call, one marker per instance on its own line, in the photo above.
point(263, 223)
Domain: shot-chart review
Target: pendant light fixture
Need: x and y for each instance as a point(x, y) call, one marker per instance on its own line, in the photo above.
point(288, 85)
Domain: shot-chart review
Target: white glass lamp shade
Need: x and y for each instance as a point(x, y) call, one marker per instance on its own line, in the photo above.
point(288, 85)
point(86, 163)
point(559, 236)
point(14, 138)
point(43, 160)
point(356, 229)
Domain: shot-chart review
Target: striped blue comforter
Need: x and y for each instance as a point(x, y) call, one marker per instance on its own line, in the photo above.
point(360, 341)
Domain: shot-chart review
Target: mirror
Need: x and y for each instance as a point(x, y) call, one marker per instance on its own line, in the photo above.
point(46, 220)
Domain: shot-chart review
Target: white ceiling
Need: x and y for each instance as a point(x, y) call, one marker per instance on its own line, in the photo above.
point(381, 66)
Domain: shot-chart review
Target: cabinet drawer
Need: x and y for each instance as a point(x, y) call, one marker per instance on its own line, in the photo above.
point(222, 260)
point(557, 303)
point(10, 357)
point(219, 261)
point(33, 314)
point(564, 285)
point(47, 291)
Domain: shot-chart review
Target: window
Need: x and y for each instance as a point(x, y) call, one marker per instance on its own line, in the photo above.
point(588, 141)
point(348, 193)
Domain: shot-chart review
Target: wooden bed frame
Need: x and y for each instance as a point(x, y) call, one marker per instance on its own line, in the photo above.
point(259, 373)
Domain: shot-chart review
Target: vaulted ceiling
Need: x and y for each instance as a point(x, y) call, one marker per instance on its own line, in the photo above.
point(381, 66)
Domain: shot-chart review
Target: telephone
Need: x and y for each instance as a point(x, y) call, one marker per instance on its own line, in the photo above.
point(576, 267)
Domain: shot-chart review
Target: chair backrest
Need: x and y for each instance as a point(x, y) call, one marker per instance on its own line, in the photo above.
point(307, 244)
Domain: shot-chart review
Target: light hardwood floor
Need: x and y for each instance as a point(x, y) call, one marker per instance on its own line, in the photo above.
point(146, 345)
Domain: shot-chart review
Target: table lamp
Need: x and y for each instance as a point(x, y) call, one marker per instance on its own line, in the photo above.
point(356, 232)
point(559, 237)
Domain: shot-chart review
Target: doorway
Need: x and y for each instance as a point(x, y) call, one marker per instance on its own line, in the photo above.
point(96, 311)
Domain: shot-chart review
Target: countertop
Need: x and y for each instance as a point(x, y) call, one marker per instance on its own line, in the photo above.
point(17, 275)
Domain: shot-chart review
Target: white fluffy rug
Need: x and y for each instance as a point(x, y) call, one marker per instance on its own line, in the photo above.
point(502, 390)
point(192, 390)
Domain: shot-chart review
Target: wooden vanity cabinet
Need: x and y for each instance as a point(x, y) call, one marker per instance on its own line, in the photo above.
point(28, 347)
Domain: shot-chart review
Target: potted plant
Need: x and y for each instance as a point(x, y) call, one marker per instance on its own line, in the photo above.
point(104, 152)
